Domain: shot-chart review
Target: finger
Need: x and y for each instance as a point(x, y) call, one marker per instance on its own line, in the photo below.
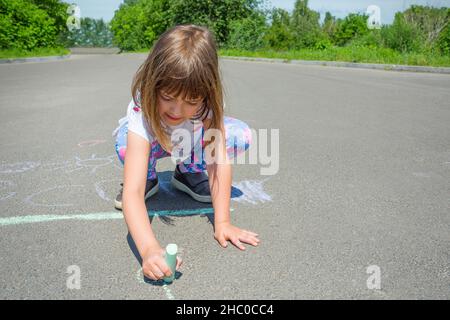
point(179, 263)
point(237, 243)
point(157, 273)
point(164, 269)
point(250, 240)
point(150, 275)
point(250, 236)
point(251, 232)
point(223, 242)
point(147, 272)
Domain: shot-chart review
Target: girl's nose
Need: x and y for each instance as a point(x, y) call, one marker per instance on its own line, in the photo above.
point(176, 110)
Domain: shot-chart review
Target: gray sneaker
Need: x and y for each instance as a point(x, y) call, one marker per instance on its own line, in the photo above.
point(151, 187)
point(194, 184)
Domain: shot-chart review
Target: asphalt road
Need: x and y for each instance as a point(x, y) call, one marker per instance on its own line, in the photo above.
point(363, 185)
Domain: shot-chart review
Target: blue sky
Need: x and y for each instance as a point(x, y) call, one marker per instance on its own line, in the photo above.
point(340, 8)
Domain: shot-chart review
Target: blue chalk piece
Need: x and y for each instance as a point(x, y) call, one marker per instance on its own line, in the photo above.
point(171, 260)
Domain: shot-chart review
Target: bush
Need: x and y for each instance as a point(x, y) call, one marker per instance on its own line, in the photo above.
point(443, 42)
point(402, 36)
point(323, 44)
point(138, 23)
point(23, 25)
point(279, 35)
point(56, 9)
point(129, 26)
point(305, 25)
point(353, 26)
point(216, 15)
point(430, 22)
point(248, 33)
point(373, 39)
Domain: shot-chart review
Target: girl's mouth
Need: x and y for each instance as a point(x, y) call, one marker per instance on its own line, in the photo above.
point(172, 118)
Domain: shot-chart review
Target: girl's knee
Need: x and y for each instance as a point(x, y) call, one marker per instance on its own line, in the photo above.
point(238, 135)
point(121, 151)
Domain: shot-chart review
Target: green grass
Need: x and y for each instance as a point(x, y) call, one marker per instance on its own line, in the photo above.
point(40, 52)
point(137, 51)
point(348, 54)
point(345, 54)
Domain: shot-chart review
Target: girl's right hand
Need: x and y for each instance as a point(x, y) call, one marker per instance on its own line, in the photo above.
point(154, 264)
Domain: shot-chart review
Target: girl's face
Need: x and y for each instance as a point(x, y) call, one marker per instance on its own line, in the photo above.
point(174, 110)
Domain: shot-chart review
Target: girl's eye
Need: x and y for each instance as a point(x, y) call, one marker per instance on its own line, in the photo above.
point(192, 103)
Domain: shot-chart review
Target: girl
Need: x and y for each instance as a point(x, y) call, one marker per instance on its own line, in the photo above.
point(178, 88)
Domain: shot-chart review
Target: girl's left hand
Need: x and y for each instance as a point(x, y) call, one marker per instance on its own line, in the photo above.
point(226, 231)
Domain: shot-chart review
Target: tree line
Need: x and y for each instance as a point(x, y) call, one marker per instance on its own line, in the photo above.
point(32, 24)
point(236, 24)
point(249, 25)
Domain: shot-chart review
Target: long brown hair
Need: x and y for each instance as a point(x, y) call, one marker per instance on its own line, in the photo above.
point(183, 61)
